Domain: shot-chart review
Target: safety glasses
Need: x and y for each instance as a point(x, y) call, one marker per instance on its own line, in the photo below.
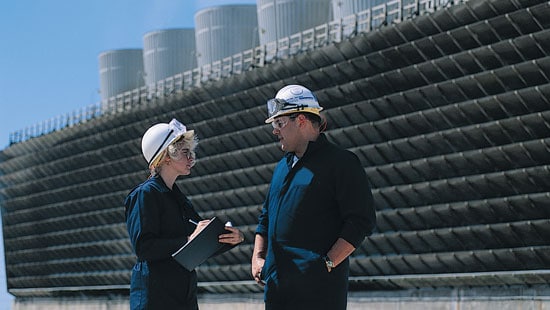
point(180, 150)
point(280, 123)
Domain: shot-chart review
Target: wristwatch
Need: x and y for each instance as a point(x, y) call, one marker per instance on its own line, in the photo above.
point(328, 263)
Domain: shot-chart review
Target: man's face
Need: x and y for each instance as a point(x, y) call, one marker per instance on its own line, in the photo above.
point(285, 128)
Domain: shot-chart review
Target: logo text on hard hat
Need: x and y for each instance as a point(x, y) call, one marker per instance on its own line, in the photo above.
point(296, 91)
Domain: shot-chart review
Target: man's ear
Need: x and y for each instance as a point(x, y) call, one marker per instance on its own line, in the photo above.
point(301, 119)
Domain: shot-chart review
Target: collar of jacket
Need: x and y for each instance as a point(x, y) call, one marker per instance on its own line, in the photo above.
point(312, 148)
point(159, 182)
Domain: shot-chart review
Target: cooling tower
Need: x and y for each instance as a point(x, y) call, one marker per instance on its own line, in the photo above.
point(120, 71)
point(223, 31)
point(167, 53)
point(343, 8)
point(282, 18)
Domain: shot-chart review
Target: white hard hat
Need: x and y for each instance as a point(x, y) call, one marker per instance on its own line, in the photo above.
point(292, 99)
point(157, 138)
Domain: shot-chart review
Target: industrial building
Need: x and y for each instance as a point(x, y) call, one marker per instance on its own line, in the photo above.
point(446, 103)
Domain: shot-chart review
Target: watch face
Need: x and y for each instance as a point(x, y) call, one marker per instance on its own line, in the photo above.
point(329, 262)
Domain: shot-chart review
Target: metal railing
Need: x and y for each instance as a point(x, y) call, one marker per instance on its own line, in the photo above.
point(391, 12)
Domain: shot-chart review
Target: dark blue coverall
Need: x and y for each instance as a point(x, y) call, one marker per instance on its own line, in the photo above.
point(325, 196)
point(157, 221)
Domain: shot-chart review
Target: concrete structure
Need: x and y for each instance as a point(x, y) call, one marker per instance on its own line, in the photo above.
point(168, 52)
point(222, 31)
point(443, 299)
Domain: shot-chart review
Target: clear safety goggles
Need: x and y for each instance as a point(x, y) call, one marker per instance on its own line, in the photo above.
point(176, 127)
point(275, 105)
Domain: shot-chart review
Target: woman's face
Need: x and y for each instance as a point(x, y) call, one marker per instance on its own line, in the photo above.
point(181, 157)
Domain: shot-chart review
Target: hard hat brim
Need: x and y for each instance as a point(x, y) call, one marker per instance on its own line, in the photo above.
point(315, 111)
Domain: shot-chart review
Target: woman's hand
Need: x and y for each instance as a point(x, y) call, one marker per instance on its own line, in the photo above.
point(200, 226)
point(234, 236)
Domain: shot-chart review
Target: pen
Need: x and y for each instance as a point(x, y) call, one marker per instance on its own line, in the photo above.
point(191, 221)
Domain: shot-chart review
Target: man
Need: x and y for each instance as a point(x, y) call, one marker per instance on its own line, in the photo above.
point(318, 210)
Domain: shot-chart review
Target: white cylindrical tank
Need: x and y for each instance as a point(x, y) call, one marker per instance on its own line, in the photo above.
point(225, 30)
point(343, 8)
point(167, 53)
point(282, 18)
point(120, 71)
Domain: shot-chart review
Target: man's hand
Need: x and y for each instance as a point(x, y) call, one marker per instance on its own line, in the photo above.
point(257, 265)
point(258, 259)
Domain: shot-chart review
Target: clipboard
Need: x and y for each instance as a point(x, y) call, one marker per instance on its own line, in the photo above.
point(202, 247)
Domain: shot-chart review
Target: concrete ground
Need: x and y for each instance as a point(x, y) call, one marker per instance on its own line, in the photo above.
point(506, 298)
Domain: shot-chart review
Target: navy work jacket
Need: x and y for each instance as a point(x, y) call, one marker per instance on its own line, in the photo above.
point(157, 219)
point(325, 196)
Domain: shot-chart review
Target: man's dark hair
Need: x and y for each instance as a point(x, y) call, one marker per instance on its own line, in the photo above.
point(316, 120)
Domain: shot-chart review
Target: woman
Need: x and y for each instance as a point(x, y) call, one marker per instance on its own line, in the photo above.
point(159, 218)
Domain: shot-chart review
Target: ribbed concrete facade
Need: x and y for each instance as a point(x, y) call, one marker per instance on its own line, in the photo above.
point(449, 113)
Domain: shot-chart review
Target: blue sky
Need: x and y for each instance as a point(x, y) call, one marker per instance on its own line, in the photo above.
point(49, 55)
point(49, 50)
